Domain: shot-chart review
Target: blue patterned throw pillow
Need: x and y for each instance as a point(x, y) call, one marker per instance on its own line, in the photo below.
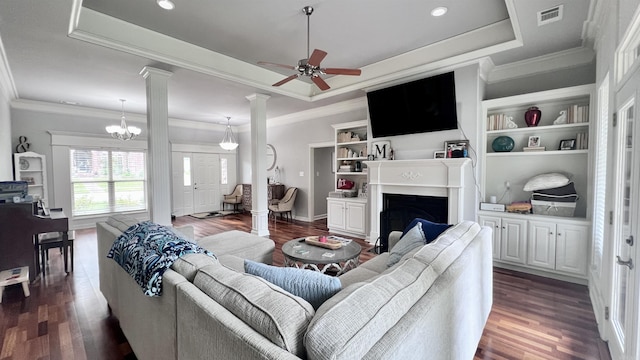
point(310, 285)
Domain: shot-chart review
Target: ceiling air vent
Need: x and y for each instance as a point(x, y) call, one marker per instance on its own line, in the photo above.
point(550, 15)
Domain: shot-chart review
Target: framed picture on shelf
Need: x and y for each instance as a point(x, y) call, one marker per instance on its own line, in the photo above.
point(534, 141)
point(567, 144)
point(439, 154)
point(456, 148)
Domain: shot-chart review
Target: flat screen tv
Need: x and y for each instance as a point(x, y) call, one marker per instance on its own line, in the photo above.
point(415, 107)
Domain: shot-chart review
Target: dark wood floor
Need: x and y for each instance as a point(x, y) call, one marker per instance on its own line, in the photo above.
point(66, 317)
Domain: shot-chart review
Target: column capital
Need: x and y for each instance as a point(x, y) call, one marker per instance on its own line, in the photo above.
point(256, 96)
point(148, 70)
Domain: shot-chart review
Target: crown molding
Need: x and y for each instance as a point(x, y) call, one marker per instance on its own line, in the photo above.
point(102, 114)
point(542, 64)
point(323, 111)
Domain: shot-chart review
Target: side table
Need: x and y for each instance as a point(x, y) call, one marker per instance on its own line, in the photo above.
point(15, 276)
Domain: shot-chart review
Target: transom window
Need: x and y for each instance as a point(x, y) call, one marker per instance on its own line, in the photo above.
point(107, 181)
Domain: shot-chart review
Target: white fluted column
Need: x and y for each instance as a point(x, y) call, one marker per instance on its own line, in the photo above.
point(159, 152)
point(259, 210)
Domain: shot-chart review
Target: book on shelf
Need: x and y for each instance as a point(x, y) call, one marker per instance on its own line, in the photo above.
point(582, 141)
point(577, 114)
point(533, 148)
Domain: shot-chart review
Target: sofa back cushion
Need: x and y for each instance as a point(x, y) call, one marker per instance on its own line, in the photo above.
point(276, 314)
point(352, 321)
point(122, 222)
point(189, 264)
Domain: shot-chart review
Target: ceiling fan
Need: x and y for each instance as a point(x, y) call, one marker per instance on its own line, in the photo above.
point(311, 65)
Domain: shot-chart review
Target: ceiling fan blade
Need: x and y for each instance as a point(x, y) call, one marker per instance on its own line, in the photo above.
point(286, 80)
point(320, 82)
point(278, 65)
point(316, 57)
point(339, 71)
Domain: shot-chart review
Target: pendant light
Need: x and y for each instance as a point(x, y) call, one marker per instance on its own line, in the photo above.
point(122, 131)
point(228, 141)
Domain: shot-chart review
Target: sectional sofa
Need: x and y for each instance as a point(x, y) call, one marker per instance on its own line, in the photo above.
point(432, 304)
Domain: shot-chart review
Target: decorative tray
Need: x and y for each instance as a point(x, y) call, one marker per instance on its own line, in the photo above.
point(329, 244)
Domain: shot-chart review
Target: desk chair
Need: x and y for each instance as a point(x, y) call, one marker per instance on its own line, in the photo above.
point(53, 240)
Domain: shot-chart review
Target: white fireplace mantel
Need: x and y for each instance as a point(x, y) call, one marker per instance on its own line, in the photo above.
point(428, 177)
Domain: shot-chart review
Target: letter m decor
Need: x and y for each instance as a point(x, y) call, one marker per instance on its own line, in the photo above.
point(381, 149)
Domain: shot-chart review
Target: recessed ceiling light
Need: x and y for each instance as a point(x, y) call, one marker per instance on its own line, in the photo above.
point(439, 11)
point(66, 102)
point(166, 4)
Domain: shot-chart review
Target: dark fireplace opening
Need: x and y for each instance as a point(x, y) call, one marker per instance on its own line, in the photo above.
point(398, 210)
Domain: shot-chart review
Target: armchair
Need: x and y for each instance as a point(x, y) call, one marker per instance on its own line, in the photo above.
point(235, 198)
point(284, 205)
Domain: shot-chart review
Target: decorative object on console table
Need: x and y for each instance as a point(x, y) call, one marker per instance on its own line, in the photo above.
point(502, 144)
point(456, 148)
point(567, 144)
point(532, 116)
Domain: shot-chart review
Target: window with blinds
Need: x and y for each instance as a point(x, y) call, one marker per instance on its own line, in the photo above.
point(107, 181)
point(600, 185)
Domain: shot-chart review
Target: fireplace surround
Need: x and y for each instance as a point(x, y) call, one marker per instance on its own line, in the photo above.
point(450, 179)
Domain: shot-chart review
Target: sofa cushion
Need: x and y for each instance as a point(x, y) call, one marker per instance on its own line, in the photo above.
point(276, 314)
point(188, 265)
point(312, 286)
point(412, 239)
point(122, 222)
point(444, 250)
point(356, 318)
point(430, 229)
point(240, 244)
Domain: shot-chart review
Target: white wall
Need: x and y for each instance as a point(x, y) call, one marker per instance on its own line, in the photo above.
point(323, 182)
point(6, 150)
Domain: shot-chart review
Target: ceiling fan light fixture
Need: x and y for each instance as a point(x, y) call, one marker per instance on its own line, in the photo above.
point(166, 4)
point(439, 11)
point(122, 131)
point(228, 141)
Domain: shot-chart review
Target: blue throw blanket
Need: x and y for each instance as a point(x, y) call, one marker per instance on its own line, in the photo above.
point(146, 250)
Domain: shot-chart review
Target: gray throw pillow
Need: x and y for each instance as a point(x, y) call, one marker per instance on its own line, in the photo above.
point(409, 241)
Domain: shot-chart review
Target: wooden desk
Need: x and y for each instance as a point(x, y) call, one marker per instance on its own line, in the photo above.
point(18, 229)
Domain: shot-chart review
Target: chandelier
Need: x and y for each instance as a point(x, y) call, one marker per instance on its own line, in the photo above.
point(228, 141)
point(122, 131)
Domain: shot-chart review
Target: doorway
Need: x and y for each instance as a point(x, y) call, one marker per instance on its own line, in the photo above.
point(321, 179)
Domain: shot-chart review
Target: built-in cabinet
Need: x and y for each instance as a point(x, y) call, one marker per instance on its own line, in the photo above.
point(347, 210)
point(546, 245)
point(32, 168)
point(555, 246)
point(347, 216)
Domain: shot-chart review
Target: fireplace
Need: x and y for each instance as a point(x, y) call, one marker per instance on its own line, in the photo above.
point(447, 183)
point(399, 209)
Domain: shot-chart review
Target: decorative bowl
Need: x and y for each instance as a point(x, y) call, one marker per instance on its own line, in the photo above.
point(502, 144)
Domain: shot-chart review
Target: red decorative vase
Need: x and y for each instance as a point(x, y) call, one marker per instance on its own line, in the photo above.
point(532, 116)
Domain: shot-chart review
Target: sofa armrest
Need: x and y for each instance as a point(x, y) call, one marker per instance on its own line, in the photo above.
point(394, 236)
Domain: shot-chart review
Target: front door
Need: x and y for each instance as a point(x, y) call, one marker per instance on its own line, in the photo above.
point(206, 182)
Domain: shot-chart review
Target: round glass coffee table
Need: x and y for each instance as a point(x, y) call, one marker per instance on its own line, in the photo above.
point(297, 253)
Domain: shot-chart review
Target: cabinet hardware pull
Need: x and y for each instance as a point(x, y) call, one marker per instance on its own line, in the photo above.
point(629, 240)
point(628, 263)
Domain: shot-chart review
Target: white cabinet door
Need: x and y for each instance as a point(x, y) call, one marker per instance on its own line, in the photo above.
point(355, 216)
point(335, 215)
point(513, 246)
point(494, 223)
point(572, 251)
point(542, 244)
